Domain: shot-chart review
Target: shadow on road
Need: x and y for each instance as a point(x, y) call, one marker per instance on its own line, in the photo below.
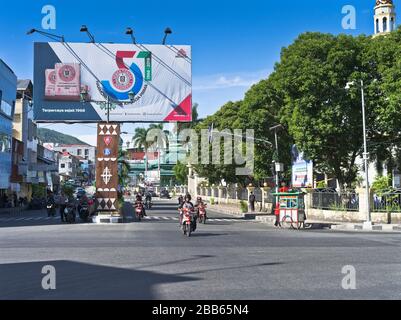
point(204, 234)
point(75, 280)
point(266, 264)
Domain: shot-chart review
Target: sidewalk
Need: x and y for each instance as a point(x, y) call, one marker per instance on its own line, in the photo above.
point(314, 224)
point(18, 211)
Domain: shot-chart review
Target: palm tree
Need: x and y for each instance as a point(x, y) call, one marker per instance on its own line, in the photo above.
point(139, 141)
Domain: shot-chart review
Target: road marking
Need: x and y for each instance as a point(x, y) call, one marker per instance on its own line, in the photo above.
point(175, 218)
point(19, 219)
point(38, 218)
point(166, 218)
point(147, 218)
point(157, 218)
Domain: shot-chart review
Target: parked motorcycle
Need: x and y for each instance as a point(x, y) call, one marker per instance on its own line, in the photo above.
point(69, 213)
point(51, 209)
point(202, 214)
point(84, 212)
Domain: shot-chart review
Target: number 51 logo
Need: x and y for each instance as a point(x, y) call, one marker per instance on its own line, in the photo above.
point(125, 80)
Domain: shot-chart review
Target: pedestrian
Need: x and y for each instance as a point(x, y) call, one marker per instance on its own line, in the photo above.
point(276, 206)
point(252, 200)
point(62, 205)
point(15, 200)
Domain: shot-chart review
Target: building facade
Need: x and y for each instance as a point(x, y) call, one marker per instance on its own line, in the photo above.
point(69, 166)
point(8, 88)
point(86, 154)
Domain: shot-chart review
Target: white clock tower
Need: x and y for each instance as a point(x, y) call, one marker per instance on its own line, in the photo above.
point(384, 17)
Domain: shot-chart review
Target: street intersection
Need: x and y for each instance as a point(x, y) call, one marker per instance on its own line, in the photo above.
point(228, 258)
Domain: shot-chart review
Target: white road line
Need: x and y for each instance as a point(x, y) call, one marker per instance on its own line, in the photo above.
point(38, 218)
point(157, 218)
point(147, 218)
point(19, 219)
point(175, 218)
point(27, 219)
point(166, 218)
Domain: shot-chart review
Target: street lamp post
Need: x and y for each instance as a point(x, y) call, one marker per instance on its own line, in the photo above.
point(277, 154)
point(365, 154)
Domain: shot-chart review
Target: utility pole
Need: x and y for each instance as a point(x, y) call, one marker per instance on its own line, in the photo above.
point(368, 222)
point(365, 156)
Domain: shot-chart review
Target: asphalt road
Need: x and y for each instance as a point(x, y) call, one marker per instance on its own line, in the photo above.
point(228, 258)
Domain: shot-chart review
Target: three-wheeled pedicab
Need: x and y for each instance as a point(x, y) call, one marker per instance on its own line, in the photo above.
point(291, 209)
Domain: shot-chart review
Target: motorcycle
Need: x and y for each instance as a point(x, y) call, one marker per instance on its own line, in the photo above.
point(148, 204)
point(69, 213)
point(84, 212)
point(139, 211)
point(202, 214)
point(187, 222)
point(51, 209)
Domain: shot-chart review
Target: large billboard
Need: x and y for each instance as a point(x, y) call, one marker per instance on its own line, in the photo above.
point(79, 82)
point(302, 169)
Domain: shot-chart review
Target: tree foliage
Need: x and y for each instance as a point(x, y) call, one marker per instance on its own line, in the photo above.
point(306, 94)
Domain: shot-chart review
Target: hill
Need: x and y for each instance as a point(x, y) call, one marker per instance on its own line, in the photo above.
point(47, 135)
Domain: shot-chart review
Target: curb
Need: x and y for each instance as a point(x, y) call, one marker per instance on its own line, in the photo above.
point(107, 220)
point(360, 227)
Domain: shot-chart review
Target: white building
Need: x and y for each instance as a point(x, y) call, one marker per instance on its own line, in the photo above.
point(385, 17)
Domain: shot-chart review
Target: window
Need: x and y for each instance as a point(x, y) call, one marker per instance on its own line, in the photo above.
point(86, 152)
point(377, 26)
point(384, 24)
point(70, 165)
point(79, 152)
point(62, 165)
point(64, 150)
point(392, 25)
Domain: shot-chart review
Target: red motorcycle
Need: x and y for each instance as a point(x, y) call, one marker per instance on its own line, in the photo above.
point(187, 219)
point(139, 211)
point(202, 213)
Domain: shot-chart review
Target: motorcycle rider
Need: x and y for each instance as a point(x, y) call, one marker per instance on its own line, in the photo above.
point(83, 201)
point(71, 203)
point(139, 201)
point(188, 205)
point(148, 197)
point(51, 202)
point(199, 202)
point(180, 200)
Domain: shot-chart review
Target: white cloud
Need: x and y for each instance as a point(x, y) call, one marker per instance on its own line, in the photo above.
point(219, 81)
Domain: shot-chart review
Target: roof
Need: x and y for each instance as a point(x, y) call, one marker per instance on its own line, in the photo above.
point(23, 84)
point(7, 66)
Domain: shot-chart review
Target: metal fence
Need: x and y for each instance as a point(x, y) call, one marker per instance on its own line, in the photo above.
point(329, 199)
point(387, 202)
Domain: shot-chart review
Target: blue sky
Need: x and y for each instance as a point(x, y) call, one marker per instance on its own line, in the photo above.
point(235, 43)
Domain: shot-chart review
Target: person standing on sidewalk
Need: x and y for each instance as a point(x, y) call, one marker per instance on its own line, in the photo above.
point(276, 207)
point(252, 200)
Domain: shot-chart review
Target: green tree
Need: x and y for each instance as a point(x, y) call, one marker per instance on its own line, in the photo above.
point(181, 172)
point(140, 141)
point(322, 117)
